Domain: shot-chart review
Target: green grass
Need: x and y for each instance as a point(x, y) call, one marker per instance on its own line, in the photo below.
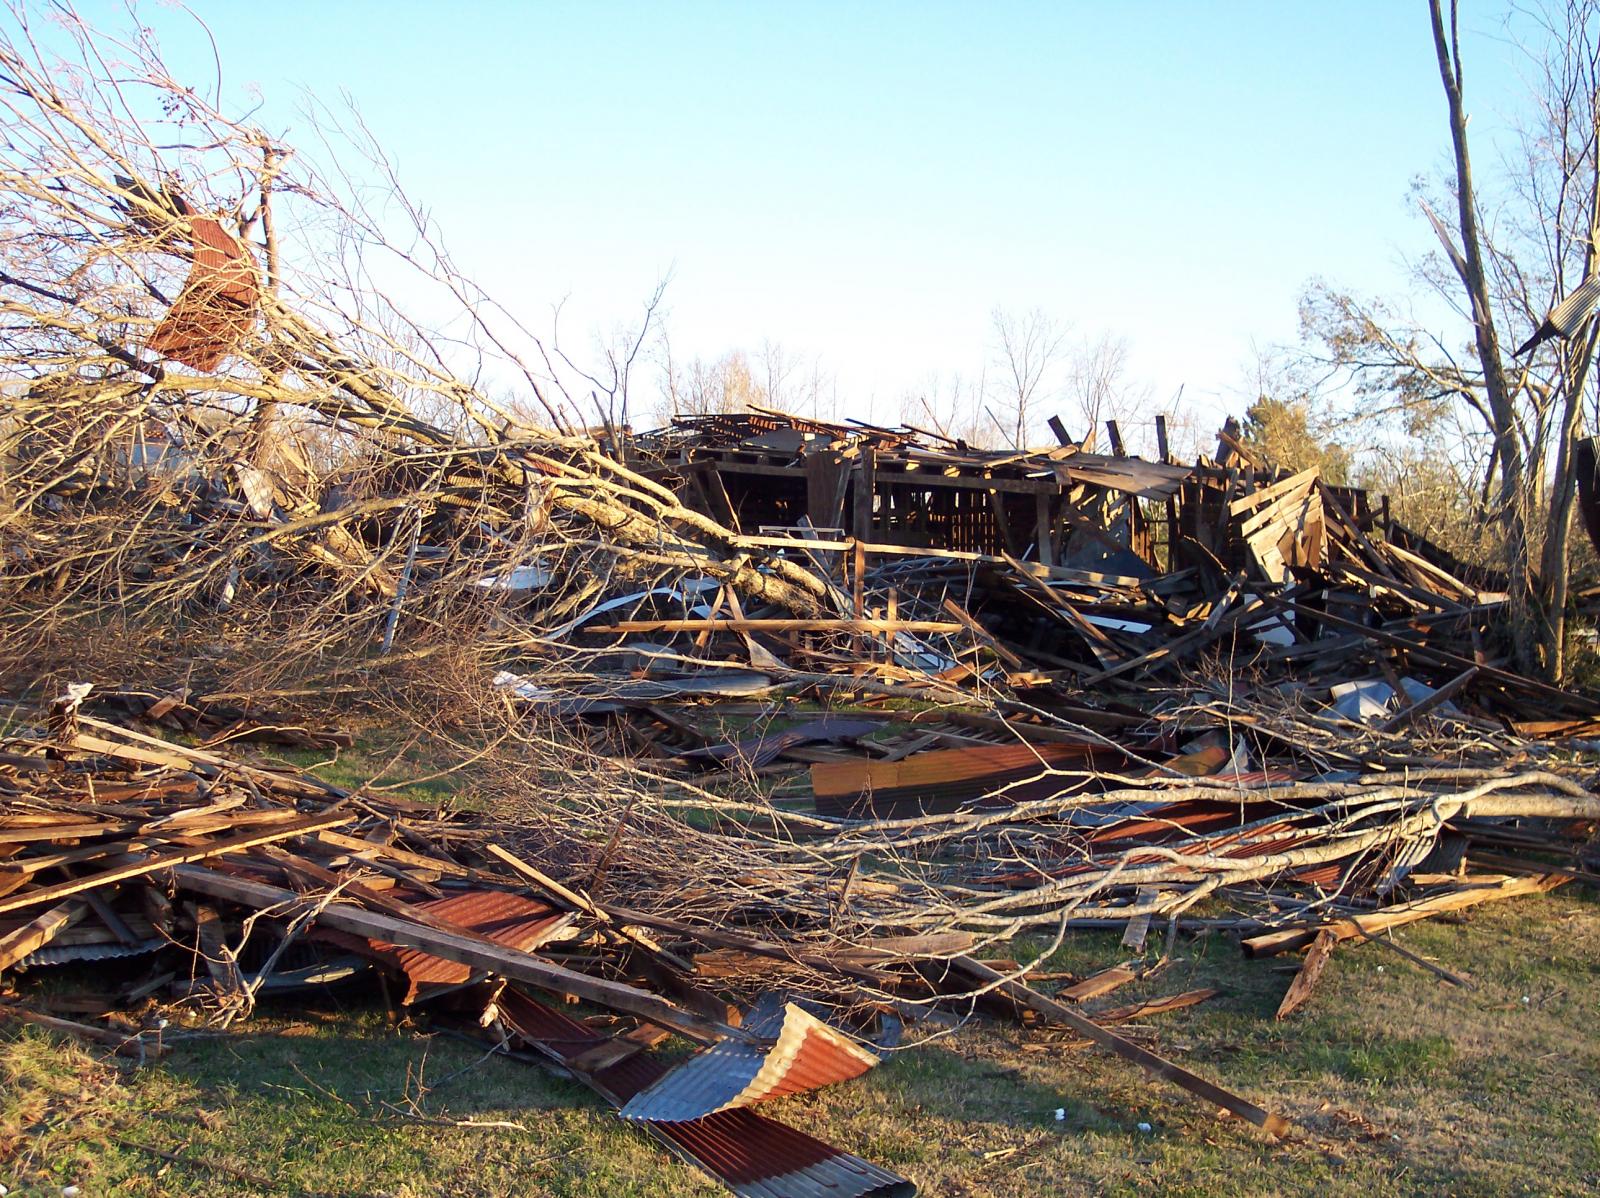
point(1398, 1085)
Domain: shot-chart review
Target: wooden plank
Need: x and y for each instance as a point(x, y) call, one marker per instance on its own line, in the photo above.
point(182, 756)
point(1156, 1006)
point(141, 866)
point(1295, 482)
point(404, 856)
point(1285, 940)
point(1115, 434)
point(122, 1043)
point(1305, 981)
point(1097, 984)
point(579, 902)
point(1428, 653)
point(1043, 537)
point(779, 625)
point(33, 936)
point(982, 634)
point(1427, 703)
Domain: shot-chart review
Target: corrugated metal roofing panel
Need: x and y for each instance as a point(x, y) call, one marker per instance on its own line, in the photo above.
point(507, 918)
point(807, 1055)
point(752, 1155)
point(63, 954)
point(1567, 316)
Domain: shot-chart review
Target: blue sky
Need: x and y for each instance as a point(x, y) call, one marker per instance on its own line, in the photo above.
point(865, 182)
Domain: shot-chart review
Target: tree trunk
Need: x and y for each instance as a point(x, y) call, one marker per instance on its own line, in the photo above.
point(1508, 450)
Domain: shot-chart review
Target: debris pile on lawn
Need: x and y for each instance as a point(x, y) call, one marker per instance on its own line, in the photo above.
point(848, 707)
point(205, 880)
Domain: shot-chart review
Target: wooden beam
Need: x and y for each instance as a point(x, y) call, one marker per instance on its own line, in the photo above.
point(1428, 702)
point(1284, 940)
point(1427, 653)
point(1158, 1066)
point(31, 937)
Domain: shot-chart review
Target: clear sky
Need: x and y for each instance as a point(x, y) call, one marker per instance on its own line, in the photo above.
point(864, 182)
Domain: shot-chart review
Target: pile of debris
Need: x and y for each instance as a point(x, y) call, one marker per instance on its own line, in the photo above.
point(1044, 688)
point(211, 881)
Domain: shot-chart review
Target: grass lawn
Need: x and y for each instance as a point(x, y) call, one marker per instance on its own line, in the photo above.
point(1397, 1082)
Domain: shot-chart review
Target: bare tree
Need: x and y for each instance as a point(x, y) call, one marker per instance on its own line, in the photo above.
point(701, 388)
point(1028, 355)
point(953, 407)
point(1099, 387)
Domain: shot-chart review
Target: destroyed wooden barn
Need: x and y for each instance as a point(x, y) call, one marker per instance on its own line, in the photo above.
point(792, 736)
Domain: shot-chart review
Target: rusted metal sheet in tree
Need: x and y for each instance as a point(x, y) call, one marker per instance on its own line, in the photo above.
point(216, 308)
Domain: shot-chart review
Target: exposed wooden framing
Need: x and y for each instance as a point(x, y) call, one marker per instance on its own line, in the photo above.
point(928, 479)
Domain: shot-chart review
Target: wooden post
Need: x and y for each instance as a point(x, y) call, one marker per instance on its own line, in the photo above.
point(1042, 532)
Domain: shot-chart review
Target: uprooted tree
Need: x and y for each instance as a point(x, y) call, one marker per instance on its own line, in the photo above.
point(179, 288)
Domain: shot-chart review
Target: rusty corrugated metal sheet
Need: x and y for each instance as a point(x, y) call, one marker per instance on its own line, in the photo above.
point(513, 920)
point(216, 307)
point(806, 1055)
point(752, 1155)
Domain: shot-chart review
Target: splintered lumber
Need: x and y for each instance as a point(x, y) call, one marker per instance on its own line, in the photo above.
point(1097, 984)
point(1156, 1006)
point(1270, 944)
point(1414, 645)
point(37, 933)
point(184, 757)
point(1158, 1066)
point(140, 866)
point(1428, 702)
point(453, 946)
point(779, 625)
point(1305, 980)
point(361, 847)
